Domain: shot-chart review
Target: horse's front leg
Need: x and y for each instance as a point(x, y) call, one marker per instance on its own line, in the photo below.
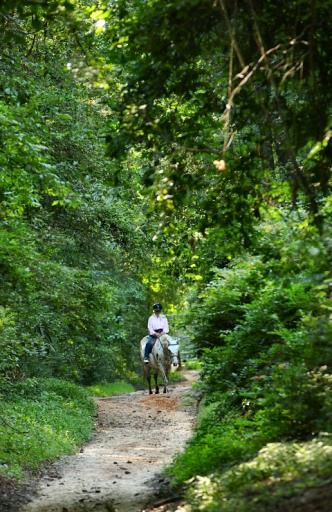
point(148, 378)
point(166, 378)
point(156, 382)
point(150, 388)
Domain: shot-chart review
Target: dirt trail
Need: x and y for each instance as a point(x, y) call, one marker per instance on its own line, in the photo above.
point(119, 469)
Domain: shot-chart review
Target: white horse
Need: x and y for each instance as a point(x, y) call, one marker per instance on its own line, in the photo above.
point(165, 352)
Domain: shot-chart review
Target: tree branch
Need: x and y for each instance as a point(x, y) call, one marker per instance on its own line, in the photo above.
point(232, 34)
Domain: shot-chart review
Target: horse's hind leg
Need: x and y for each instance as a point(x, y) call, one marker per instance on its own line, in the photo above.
point(156, 381)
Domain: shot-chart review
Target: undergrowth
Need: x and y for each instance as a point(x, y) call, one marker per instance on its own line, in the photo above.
point(278, 471)
point(41, 420)
point(176, 376)
point(263, 330)
point(193, 364)
point(111, 388)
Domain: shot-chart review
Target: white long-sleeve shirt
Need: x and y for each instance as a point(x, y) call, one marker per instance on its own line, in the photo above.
point(157, 322)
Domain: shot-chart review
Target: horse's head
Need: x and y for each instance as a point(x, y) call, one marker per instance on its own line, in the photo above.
point(173, 347)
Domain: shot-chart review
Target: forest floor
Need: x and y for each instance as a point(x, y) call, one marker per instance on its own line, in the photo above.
point(120, 469)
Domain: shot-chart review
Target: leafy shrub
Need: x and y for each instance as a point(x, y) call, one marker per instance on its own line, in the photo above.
point(217, 443)
point(264, 333)
point(278, 471)
point(296, 404)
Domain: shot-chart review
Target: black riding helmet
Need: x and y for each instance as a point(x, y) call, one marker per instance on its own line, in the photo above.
point(157, 307)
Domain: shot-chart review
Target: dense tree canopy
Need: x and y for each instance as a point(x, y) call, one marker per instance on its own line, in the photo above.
point(176, 151)
point(71, 243)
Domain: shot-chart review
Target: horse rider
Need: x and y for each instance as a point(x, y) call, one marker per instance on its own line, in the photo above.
point(157, 326)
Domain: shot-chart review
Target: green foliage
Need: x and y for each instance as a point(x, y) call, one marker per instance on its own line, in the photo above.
point(193, 364)
point(40, 420)
point(70, 242)
point(224, 125)
point(266, 319)
point(112, 388)
point(280, 470)
point(263, 329)
point(217, 443)
point(204, 184)
point(28, 172)
point(176, 376)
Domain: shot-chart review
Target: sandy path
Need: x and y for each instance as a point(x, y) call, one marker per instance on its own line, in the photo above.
point(119, 469)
